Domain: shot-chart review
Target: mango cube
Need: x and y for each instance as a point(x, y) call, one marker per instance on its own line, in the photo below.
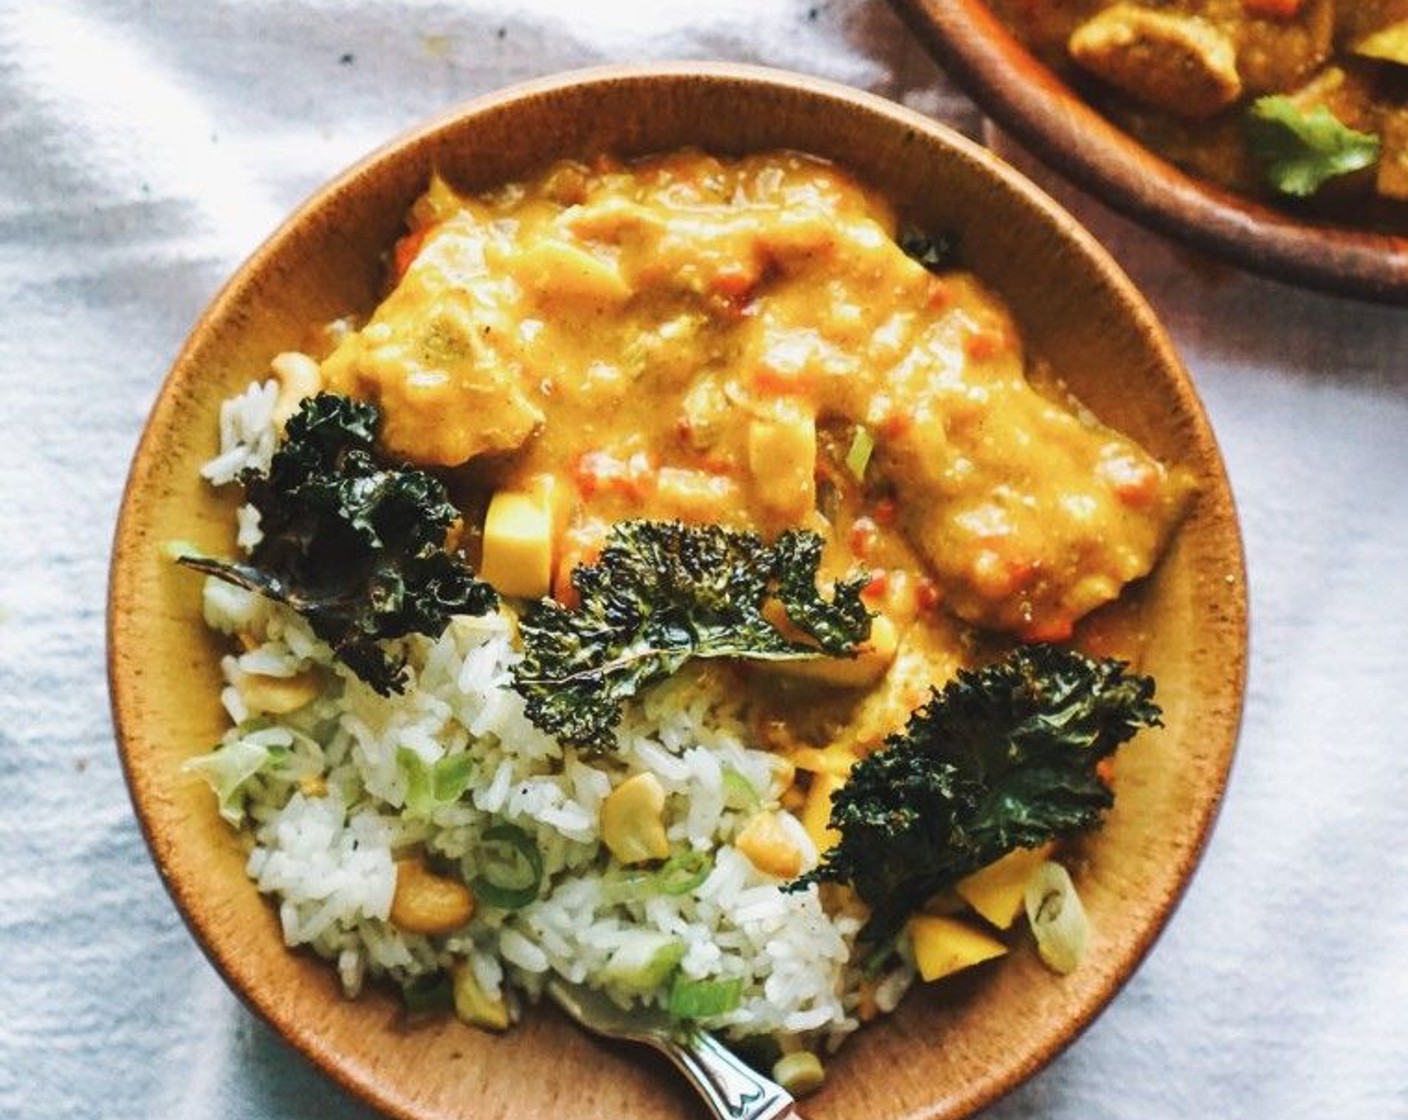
point(816, 810)
point(996, 890)
point(518, 535)
point(945, 945)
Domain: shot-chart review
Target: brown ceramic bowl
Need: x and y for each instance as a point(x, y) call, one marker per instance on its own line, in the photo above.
point(951, 1048)
point(1036, 107)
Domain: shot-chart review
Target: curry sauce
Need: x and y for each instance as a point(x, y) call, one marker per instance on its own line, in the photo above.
point(745, 343)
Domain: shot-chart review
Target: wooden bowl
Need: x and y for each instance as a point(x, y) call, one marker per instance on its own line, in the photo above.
point(1051, 120)
point(950, 1049)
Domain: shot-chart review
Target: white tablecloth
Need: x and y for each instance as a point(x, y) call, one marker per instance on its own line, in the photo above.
point(148, 147)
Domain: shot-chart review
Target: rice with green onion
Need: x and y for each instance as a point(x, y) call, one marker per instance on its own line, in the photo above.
point(333, 792)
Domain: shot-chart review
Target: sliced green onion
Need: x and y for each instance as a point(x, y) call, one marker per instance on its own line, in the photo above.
point(449, 777)
point(643, 961)
point(626, 884)
point(1057, 918)
point(513, 869)
point(418, 798)
point(703, 999)
point(738, 790)
point(430, 786)
point(681, 873)
point(858, 457)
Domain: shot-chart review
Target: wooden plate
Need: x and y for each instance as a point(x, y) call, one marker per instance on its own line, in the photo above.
point(1033, 104)
point(951, 1049)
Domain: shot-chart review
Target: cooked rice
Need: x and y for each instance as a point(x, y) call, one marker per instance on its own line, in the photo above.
point(323, 796)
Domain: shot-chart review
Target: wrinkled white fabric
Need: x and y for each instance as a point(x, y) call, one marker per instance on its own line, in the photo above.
point(147, 148)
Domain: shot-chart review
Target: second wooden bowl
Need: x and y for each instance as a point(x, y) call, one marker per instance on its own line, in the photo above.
point(1051, 120)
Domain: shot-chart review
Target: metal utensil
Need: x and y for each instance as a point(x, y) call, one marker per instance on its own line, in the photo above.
point(731, 1089)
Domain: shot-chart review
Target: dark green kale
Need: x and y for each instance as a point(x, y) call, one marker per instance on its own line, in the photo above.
point(354, 545)
point(1000, 759)
point(936, 252)
point(661, 594)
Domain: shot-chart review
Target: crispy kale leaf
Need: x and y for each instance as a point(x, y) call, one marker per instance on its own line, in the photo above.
point(1302, 149)
point(355, 546)
point(661, 594)
point(1001, 758)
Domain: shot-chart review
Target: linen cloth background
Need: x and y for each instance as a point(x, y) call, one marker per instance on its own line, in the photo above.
point(148, 147)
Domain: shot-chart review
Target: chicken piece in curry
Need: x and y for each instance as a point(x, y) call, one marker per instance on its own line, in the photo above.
point(745, 343)
point(1299, 102)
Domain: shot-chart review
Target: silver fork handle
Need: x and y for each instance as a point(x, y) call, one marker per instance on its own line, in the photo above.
point(731, 1089)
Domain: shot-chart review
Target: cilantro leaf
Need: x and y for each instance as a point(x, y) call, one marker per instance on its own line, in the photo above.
point(1301, 150)
point(664, 593)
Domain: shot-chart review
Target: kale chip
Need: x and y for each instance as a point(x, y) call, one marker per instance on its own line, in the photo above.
point(999, 759)
point(354, 545)
point(661, 594)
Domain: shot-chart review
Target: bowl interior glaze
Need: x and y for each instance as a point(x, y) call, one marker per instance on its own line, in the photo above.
point(950, 1049)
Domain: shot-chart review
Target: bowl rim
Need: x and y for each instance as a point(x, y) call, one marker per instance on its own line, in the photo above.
point(1058, 126)
point(296, 1032)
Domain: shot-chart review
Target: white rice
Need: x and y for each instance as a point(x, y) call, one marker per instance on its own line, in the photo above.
point(325, 806)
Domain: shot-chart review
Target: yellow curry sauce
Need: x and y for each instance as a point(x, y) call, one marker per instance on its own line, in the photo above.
point(689, 338)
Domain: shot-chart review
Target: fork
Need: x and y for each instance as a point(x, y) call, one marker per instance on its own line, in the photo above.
point(731, 1089)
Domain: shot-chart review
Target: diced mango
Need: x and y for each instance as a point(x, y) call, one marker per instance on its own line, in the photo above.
point(1388, 44)
point(553, 493)
point(945, 945)
point(872, 660)
point(632, 820)
point(770, 847)
point(782, 461)
point(518, 536)
point(816, 811)
point(995, 891)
